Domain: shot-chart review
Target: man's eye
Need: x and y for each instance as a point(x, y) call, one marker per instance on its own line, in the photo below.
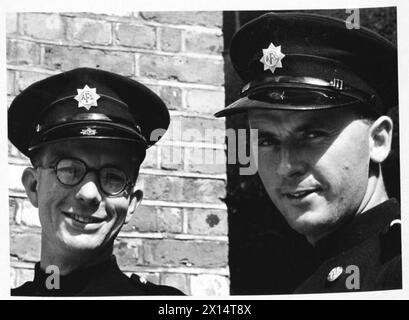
point(267, 141)
point(67, 170)
point(315, 134)
point(114, 178)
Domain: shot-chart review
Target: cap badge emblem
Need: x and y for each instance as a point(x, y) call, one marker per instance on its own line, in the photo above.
point(272, 57)
point(88, 132)
point(87, 97)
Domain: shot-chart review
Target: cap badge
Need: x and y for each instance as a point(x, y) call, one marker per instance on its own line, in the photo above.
point(87, 97)
point(272, 57)
point(88, 132)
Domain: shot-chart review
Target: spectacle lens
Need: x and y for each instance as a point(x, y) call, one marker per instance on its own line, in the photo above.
point(70, 172)
point(112, 180)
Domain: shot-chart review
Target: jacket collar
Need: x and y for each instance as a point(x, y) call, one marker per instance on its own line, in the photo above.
point(73, 282)
point(358, 229)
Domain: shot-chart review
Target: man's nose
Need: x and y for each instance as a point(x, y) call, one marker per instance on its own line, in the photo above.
point(89, 192)
point(290, 163)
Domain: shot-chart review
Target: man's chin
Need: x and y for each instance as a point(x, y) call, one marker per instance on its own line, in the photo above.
point(81, 243)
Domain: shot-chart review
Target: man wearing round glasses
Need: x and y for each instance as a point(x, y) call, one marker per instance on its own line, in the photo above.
point(86, 132)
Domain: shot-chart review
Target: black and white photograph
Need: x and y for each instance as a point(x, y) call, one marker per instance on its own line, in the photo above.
point(204, 153)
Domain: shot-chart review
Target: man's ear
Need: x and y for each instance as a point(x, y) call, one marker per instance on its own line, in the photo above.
point(380, 135)
point(30, 183)
point(134, 202)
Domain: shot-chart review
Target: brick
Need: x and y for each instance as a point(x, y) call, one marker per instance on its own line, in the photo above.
point(26, 78)
point(13, 277)
point(175, 253)
point(204, 101)
point(170, 220)
point(14, 153)
point(195, 129)
point(128, 252)
point(205, 160)
point(209, 285)
point(10, 82)
point(170, 39)
point(27, 213)
point(203, 190)
point(23, 52)
point(200, 42)
point(185, 69)
point(151, 277)
point(143, 220)
point(66, 58)
point(42, 26)
point(117, 15)
point(14, 173)
point(25, 246)
point(206, 221)
point(11, 23)
point(162, 188)
point(153, 87)
point(178, 281)
point(24, 275)
point(211, 19)
point(135, 36)
point(12, 210)
point(172, 158)
point(172, 96)
point(151, 159)
point(89, 31)
point(9, 100)
point(175, 130)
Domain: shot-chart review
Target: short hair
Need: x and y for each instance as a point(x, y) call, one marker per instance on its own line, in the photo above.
point(365, 113)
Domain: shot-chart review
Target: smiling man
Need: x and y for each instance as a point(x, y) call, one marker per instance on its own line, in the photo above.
point(318, 94)
point(86, 132)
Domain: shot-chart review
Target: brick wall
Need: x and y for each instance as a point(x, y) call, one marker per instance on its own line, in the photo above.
point(179, 234)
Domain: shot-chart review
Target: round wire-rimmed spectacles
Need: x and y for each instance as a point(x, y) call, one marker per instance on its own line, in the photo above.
point(70, 172)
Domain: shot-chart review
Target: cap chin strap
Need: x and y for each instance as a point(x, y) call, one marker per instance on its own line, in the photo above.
point(335, 86)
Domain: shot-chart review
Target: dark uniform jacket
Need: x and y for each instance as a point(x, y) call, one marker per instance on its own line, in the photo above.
point(104, 279)
point(364, 255)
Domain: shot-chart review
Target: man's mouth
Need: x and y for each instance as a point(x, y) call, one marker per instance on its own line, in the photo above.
point(82, 219)
point(299, 194)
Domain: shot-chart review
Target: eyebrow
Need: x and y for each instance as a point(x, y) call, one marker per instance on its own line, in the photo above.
point(312, 123)
point(263, 132)
point(57, 154)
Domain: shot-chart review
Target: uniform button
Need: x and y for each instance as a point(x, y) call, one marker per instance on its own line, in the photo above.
point(334, 274)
